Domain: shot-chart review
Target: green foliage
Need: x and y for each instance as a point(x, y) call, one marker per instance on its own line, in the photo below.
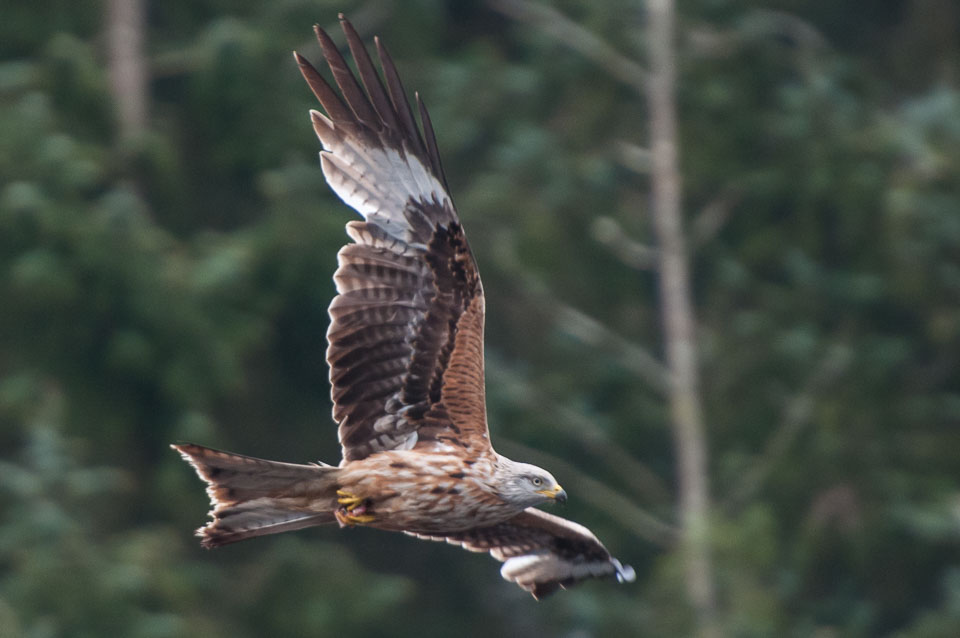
point(175, 286)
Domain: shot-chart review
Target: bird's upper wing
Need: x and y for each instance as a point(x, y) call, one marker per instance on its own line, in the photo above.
point(406, 334)
point(540, 552)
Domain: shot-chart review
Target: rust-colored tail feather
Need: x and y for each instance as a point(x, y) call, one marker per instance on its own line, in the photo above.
point(253, 497)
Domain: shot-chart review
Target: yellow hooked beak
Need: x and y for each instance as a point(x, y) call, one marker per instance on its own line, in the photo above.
point(556, 493)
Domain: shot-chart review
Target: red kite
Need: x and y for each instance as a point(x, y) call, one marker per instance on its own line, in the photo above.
point(406, 365)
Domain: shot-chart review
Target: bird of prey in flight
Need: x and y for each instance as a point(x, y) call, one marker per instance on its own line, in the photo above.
point(405, 349)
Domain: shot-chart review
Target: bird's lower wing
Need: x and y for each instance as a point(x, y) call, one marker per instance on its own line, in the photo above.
point(540, 552)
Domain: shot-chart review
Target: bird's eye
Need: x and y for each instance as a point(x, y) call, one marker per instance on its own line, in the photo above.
point(537, 481)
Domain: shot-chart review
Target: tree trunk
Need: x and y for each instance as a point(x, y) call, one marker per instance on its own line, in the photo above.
point(128, 69)
point(678, 319)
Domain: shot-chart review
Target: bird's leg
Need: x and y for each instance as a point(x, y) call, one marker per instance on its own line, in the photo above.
point(352, 510)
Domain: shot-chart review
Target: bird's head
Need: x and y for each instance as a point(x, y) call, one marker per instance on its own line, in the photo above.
point(525, 485)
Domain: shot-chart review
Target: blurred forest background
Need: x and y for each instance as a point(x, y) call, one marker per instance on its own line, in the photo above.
point(165, 269)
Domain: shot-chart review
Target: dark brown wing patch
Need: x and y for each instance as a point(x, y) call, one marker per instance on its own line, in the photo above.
point(394, 335)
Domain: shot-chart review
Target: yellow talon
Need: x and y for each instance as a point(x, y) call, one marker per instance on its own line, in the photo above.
point(348, 500)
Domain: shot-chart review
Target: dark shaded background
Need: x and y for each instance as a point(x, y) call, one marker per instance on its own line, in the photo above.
point(172, 286)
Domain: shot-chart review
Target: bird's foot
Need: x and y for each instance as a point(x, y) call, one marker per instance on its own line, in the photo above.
point(349, 501)
point(352, 510)
point(357, 516)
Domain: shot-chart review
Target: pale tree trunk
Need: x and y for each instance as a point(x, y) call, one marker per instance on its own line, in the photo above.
point(658, 85)
point(678, 318)
point(125, 24)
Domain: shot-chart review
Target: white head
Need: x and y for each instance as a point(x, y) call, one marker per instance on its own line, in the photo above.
point(525, 485)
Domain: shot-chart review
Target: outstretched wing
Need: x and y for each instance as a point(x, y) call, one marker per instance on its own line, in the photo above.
point(406, 334)
point(542, 553)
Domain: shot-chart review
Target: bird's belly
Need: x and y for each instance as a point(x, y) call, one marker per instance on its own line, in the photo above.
point(428, 497)
point(440, 508)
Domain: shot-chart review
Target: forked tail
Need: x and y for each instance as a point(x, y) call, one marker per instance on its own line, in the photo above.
point(252, 497)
